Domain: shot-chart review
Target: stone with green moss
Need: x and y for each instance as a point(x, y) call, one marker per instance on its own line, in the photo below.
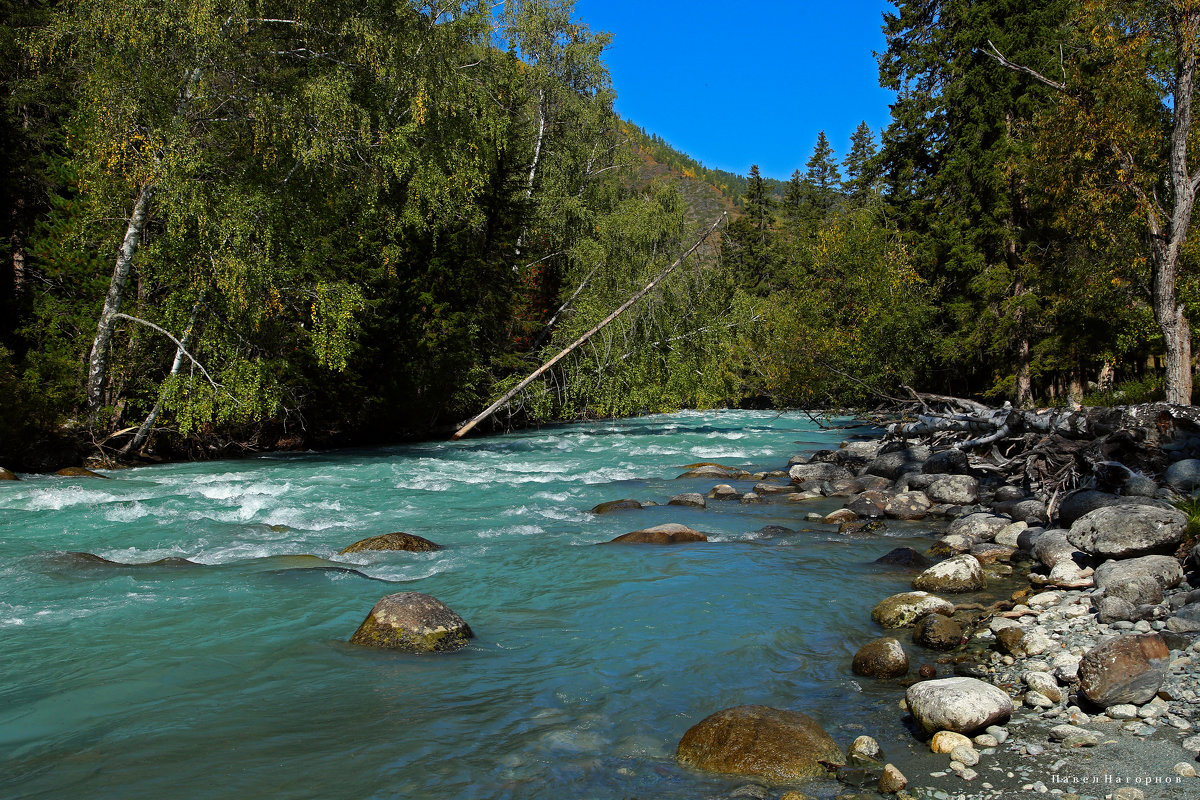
point(414, 623)
point(394, 541)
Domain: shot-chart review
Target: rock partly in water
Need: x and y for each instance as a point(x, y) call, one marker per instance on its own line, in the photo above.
point(902, 610)
point(954, 575)
point(881, 658)
point(670, 533)
point(908, 506)
point(393, 541)
point(7, 475)
point(723, 491)
point(821, 471)
point(1128, 531)
point(691, 499)
point(903, 557)
point(937, 632)
point(413, 622)
point(892, 781)
point(79, 472)
point(1125, 669)
point(772, 744)
point(616, 505)
point(962, 705)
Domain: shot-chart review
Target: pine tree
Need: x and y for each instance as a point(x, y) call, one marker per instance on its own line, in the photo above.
point(858, 161)
point(822, 172)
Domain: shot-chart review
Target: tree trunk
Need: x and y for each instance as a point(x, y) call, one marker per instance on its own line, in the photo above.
point(1166, 245)
point(143, 432)
point(98, 360)
point(533, 167)
point(1106, 378)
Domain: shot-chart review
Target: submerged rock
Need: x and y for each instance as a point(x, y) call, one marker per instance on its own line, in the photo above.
point(393, 541)
point(670, 533)
point(904, 557)
point(413, 622)
point(775, 745)
point(962, 705)
point(615, 505)
point(79, 472)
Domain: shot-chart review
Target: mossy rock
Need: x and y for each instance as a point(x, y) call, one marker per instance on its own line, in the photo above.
point(414, 623)
point(7, 475)
point(671, 533)
point(772, 744)
point(393, 541)
point(79, 472)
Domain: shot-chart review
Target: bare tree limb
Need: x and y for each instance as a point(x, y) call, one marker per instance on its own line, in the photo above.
point(1004, 62)
point(181, 349)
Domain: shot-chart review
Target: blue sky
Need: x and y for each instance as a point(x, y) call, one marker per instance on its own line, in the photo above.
point(737, 83)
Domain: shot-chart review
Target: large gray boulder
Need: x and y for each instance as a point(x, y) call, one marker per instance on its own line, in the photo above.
point(947, 462)
point(1163, 570)
point(981, 527)
point(1128, 531)
point(893, 465)
point(956, 490)
point(1184, 476)
point(1077, 504)
point(1124, 669)
point(413, 622)
point(1054, 546)
point(954, 575)
point(908, 506)
point(820, 471)
point(962, 705)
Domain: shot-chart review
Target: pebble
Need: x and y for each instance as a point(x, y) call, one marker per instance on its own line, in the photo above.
point(965, 754)
point(1128, 793)
point(1192, 743)
point(1123, 711)
point(1034, 749)
point(986, 740)
point(1001, 734)
point(1185, 770)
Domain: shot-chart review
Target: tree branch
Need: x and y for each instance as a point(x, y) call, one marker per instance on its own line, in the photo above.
point(182, 349)
point(1004, 62)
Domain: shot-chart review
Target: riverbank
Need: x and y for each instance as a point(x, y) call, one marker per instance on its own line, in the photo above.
point(1097, 651)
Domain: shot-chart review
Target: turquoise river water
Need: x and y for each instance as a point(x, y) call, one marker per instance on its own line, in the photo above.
point(233, 678)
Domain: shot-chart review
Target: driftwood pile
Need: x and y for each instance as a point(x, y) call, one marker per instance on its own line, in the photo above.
point(1052, 452)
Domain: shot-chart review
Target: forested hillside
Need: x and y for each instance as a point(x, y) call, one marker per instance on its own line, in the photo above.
point(237, 226)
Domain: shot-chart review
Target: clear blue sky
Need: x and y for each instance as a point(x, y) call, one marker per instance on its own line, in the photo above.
point(739, 83)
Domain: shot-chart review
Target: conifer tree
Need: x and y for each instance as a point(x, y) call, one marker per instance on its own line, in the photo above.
point(858, 161)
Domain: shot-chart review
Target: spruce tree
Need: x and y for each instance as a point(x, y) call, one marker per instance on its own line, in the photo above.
point(858, 162)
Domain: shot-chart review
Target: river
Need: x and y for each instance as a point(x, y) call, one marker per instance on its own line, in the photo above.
point(231, 676)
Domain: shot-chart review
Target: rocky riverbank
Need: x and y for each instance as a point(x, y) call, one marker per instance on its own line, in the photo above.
point(1080, 680)
point(1084, 684)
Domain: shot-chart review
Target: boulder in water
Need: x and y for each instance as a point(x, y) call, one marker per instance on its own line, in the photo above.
point(615, 505)
point(393, 541)
point(413, 622)
point(902, 610)
point(670, 533)
point(881, 658)
point(79, 472)
point(772, 744)
point(904, 557)
point(958, 574)
point(937, 632)
point(691, 499)
point(7, 475)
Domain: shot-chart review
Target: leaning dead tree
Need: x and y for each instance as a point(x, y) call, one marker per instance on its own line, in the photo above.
point(510, 394)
